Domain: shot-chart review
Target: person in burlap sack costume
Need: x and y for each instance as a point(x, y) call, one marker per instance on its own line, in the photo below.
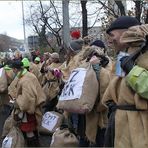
point(128, 122)
point(37, 61)
point(74, 60)
point(82, 124)
point(98, 116)
point(51, 86)
point(28, 103)
point(31, 67)
point(5, 105)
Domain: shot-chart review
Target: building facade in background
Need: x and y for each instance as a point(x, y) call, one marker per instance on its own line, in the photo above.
point(33, 41)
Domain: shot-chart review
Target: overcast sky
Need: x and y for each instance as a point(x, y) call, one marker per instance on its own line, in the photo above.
point(11, 19)
point(11, 22)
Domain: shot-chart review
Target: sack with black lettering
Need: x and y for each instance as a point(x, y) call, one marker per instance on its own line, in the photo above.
point(80, 92)
point(50, 122)
point(3, 80)
point(14, 139)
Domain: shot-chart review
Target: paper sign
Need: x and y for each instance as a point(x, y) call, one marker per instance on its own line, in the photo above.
point(7, 142)
point(49, 120)
point(73, 87)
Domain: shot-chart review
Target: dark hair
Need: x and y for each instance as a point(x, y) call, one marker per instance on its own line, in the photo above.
point(98, 43)
point(16, 64)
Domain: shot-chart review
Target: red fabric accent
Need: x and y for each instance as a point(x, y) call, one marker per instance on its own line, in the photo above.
point(29, 126)
point(75, 34)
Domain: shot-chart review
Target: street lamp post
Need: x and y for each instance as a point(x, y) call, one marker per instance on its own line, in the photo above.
point(66, 30)
point(25, 43)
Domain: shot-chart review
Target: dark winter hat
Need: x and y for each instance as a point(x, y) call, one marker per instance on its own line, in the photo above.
point(123, 22)
point(98, 43)
point(76, 45)
point(16, 64)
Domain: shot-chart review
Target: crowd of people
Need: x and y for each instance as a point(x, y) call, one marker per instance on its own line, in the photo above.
point(119, 115)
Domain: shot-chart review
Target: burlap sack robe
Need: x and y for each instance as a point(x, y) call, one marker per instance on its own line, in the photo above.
point(3, 80)
point(131, 127)
point(33, 68)
point(12, 88)
point(4, 98)
point(30, 95)
point(51, 87)
point(98, 116)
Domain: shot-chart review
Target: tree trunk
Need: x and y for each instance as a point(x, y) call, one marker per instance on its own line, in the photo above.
point(120, 7)
point(84, 18)
point(138, 9)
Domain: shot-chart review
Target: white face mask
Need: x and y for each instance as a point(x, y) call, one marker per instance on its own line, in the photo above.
point(119, 71)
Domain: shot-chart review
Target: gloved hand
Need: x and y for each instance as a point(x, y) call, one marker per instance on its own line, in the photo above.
point(127, 64)
point(104, 60)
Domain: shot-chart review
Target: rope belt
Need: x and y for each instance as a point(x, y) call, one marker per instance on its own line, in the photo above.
point(110, 130)
point(113, 107)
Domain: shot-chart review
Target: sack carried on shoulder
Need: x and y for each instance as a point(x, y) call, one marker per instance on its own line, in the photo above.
point(8, 125)
point(3, 80)
point(14, 139)
point(80, 92)
point(63, 138)
point(50, 122)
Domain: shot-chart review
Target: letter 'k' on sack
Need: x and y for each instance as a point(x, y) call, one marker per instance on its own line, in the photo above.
point(80, 92)
point(3, 80)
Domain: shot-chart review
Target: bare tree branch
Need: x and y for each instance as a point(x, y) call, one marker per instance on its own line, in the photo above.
point(111, 11)
point(138, 8)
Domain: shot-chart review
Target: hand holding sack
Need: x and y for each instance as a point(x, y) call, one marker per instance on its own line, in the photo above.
point(80, 91)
